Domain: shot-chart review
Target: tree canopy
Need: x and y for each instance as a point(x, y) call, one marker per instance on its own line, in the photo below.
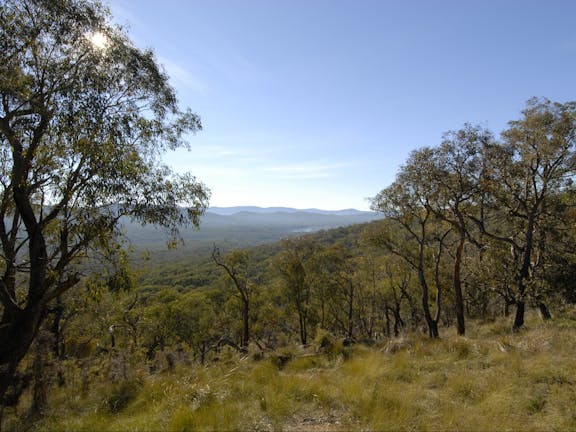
point(513, 193)
point(84, 118)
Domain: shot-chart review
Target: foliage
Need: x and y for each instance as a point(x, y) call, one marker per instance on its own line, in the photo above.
point(452, 383)
point(471, 228)
point(236, 267)
point(445, 226)
point(81, 131)
point(121, 396)
point(514, 193)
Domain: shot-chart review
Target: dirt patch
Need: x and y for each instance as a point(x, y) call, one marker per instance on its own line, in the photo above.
point(316, 423)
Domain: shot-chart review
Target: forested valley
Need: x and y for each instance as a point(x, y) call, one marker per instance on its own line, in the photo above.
point(453, 310)
point(476, 238)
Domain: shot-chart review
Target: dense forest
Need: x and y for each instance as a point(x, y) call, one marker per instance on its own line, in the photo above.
point(476, 230)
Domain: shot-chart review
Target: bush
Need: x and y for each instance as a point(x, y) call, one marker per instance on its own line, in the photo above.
point(324, 341)
point(281, 359)
point(121, 395)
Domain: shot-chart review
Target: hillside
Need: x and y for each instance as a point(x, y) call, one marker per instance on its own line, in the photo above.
point(490, 380)
point(231, 227)
point(187, 271)
point(175, 363)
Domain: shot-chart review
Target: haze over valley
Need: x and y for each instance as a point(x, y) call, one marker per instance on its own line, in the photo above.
point(139, 292)
point(245, 226)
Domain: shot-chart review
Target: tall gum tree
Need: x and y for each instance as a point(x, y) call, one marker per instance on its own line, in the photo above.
point(84, 118)
point(235, 265)
point(453, 182)
point(409, 233)
point(531, 168)
point(292, 265)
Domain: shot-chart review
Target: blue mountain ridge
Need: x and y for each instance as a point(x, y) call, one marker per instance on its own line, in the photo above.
point(249, 225)
point(267, 210)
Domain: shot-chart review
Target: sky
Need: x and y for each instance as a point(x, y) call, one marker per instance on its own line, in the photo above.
point(318, 103)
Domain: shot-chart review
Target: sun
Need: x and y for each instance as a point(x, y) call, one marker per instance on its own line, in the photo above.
point(98, 39)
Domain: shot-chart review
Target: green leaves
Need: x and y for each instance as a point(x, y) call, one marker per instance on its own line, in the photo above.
point(82, 129)
point(508, 193)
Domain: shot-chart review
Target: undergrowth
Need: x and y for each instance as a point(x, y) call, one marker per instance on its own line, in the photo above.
point(490, 380)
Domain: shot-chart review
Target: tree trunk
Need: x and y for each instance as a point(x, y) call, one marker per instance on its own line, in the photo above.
point(57, 340)
point(524, 275)
point(303, 330)
point(519, 317)
point(246, 323)
point(16, 336)
point(387, 324)
point(39, 392)
point(458, 297)
point(350, 311)
point(508, 301)
point(430, 321)
point(544, 312)
point(433, 329)
point(323, 314)
point(398, 321)
point(111, 330)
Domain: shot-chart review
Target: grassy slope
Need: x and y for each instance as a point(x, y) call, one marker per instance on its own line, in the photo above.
point(489, 380)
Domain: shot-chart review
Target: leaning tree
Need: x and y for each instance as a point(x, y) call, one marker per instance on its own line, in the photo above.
point(84, 119)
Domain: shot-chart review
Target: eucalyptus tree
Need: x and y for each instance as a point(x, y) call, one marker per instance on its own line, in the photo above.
point(188, 317)
point(372, 306)
point(84, 119)
point(453, 183)
point(339, 274)
point(560, 256)
point(292, 264)
point(527, 175)
point(236, 266)
point(408, 231)
point(398, 282)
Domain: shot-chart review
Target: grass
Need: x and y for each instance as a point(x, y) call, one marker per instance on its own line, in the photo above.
point(490, 380)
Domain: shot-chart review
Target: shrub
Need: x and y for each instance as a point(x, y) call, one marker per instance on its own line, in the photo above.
point(121, 395)
point(324, 341)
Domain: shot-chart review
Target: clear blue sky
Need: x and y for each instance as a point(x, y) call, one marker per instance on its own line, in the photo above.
point(316, 103)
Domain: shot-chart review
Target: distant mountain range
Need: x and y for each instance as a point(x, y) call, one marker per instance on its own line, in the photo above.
point(248, 226)
point(268, 210)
